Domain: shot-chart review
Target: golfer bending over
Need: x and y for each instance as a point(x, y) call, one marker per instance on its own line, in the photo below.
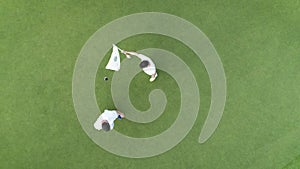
point(146, 64)
point(106, 120)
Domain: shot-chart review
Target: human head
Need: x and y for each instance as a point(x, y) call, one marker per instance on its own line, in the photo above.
point(105, 126)
point(144, 64)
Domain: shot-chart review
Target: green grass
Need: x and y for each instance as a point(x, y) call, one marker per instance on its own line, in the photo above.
point(293, 164)
point(258, 43)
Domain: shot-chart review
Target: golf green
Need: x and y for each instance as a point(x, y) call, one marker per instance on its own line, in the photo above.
point(258, 43)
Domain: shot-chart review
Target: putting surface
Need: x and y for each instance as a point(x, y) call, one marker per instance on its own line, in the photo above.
point(258, 44)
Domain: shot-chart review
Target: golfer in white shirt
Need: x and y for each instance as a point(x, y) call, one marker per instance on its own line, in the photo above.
point(106, 120)
point(146, 64)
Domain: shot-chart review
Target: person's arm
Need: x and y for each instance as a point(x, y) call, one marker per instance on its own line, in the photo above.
point(130, 53)
point(133, 54)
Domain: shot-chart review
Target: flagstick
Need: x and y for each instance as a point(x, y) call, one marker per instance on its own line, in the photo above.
point(118, 48)
point(122, 51)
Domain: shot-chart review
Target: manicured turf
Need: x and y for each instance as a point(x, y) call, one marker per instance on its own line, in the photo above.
point(258, 43)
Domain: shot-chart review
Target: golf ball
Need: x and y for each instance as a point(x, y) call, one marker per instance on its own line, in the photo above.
point(105, 78)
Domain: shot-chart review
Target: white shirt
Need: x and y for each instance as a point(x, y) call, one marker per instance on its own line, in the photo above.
point(109, 115)
point(150, 69)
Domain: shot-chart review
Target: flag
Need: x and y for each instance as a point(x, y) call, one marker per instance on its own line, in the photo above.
point(114, 61)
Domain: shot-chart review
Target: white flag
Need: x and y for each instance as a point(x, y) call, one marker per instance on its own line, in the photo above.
point(114, 61)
